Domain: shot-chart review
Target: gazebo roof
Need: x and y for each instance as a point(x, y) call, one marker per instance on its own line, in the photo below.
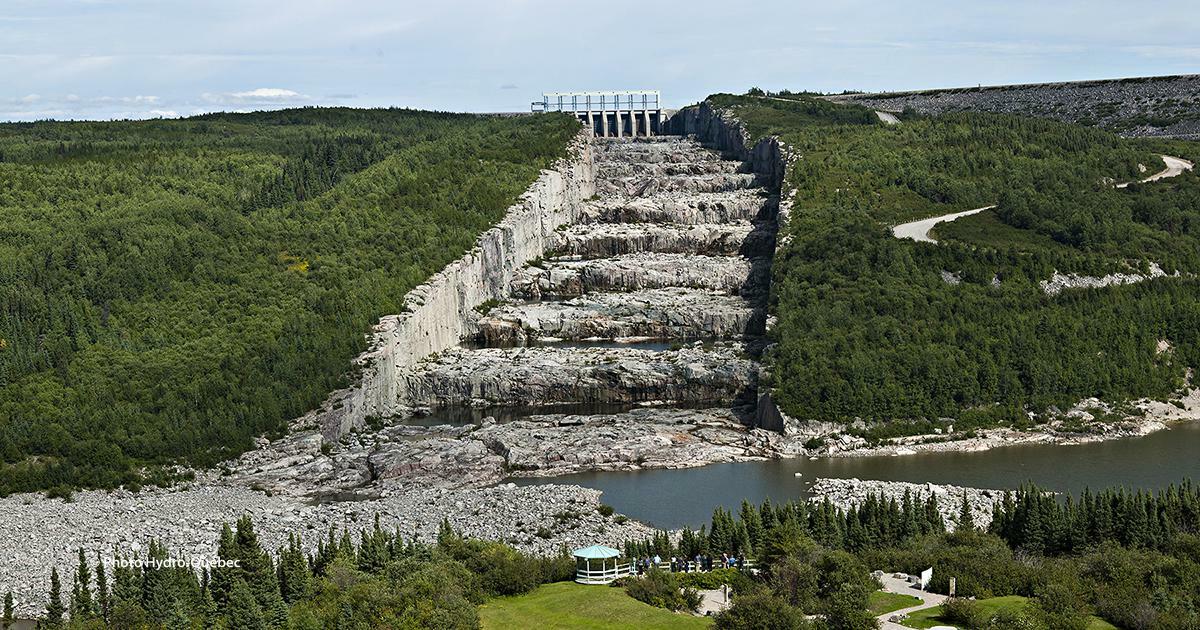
point(596, 551)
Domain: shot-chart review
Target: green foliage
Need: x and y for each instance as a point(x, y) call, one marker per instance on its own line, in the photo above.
point(171, 289)
point(663, 589)
point(54, 609)
point(867, 328)
point(7, 619)
point(760, 610)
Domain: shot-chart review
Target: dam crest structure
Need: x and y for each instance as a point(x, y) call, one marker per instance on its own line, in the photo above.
point(630, 113)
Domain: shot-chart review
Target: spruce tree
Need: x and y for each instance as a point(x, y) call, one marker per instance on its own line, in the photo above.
point(8, 611)
point(243, 611)
point(54, 609)
point(81, 590)
point(103, 603)
point(965, 522)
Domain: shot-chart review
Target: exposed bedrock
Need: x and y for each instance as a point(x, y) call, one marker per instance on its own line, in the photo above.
point(614, 239)
point(667, 313)
point(646, 185)
point(681, 209)
point(548, 375)
point(630, 272)
point(609, 170)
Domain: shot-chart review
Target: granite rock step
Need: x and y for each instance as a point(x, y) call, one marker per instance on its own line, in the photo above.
point(547, 375)
point(614, 239)
point(645, 186)
point(670, 313)
point(730, 274)
point(682, 209)
point(619, 169)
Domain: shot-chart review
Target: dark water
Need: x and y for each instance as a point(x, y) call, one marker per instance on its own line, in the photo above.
point(675, 498)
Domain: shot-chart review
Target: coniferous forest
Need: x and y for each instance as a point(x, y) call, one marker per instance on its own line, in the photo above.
point(870, 326)
point(1129, 558)
point(171, 288)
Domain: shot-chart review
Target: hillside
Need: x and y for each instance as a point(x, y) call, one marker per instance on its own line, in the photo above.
point(1143, 106)
point(875, 327)
point(171, 289)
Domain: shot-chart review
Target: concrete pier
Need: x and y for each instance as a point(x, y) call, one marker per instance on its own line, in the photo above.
point(605, 113)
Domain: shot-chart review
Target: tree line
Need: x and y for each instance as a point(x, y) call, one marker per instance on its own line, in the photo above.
point(171, 289)
point(870, 328)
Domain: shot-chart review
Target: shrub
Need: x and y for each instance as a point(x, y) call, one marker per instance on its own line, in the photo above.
point(963, 611)
point(662, 589)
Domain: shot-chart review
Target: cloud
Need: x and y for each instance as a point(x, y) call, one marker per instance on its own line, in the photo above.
point(257, 96)
point(268, 93)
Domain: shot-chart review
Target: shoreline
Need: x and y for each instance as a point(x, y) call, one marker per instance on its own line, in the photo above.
point(1156, 416)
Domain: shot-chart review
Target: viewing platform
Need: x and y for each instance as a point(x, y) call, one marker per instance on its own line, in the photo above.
point(632, 113)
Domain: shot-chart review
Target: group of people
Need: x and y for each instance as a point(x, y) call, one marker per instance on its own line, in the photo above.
point(680, 564)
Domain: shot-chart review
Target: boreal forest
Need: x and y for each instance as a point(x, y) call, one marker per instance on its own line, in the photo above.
point(904, 333)
point(170, 289)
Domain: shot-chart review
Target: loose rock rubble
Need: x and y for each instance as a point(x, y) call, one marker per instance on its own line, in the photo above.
point(847, 493)
point(37, 533)
point(1152, 106)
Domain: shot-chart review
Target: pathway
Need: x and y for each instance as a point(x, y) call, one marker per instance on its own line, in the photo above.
point(901, 586)
point(919, 230)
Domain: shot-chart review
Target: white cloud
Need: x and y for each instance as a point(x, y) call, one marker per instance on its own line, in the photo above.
point(257, 96)
point(269, 93)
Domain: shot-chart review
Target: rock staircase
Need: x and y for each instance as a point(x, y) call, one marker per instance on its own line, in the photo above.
point(653, 299)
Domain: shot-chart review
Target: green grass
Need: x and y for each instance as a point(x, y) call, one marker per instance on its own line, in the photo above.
point(930, 617)
point(571, 605)
point(881, 602)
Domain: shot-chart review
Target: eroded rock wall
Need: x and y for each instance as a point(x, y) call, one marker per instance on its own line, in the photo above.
point(441, 311)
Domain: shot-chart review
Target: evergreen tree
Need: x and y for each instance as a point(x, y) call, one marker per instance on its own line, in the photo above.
point(81, 590)
point(243, 612)
point(54, 609)
point(103, 601)
point(7, 620)
point(294, 574)
point(965, 520)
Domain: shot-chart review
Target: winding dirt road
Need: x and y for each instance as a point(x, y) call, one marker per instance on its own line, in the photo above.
point(919, 230)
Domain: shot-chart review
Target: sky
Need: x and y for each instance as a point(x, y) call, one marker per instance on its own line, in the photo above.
point(101, 59)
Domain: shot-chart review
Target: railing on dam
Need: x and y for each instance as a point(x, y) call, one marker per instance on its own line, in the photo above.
point(631, 100)
point(628, 113)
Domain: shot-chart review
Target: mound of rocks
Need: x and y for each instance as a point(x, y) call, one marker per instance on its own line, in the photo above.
point(847, 493)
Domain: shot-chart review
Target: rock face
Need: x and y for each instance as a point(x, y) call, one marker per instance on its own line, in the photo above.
point(647, 270)
point(669, 313)
point(1152, 106)
point(440, 312)
point(710, 208)
point(553, 375)
point(846, 493)
point(615, 239)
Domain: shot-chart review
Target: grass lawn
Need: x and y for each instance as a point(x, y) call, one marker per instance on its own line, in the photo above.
point(881, 602)
point(571, 605)
point(929, 617)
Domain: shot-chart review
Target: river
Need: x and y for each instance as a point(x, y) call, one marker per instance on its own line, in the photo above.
point(678, 498)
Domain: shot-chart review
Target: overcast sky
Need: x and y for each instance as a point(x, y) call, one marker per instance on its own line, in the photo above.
point(144, 58)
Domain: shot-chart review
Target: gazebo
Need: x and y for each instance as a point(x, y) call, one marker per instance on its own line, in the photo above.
point(610, 566)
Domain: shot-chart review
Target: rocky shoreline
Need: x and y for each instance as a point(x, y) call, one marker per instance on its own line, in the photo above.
point(37, 533)
point(851, 493)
